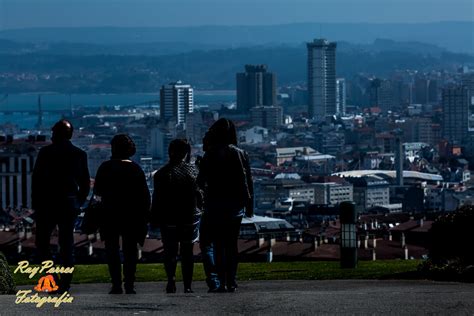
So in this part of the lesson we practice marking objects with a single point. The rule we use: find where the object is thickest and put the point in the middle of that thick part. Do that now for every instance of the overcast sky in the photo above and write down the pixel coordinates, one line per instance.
(44, 13)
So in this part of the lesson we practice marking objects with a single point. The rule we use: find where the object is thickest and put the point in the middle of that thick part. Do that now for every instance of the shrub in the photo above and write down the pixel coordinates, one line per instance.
(452, 237)
(7, 285)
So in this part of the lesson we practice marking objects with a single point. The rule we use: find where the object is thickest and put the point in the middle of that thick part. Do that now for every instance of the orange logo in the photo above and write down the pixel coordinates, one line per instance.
(46, 284)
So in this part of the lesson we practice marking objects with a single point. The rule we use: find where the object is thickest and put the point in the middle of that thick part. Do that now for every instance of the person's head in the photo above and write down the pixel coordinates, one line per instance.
(223, 132)
(207, 141)
(62, 131)
(179, 150)
(123, 147)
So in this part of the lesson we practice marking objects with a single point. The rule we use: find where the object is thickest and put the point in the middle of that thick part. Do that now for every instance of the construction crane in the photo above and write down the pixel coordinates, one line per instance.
(39, 124)
(4, 99)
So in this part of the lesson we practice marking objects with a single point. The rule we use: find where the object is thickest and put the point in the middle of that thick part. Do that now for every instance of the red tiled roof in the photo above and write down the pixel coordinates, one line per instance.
(249, 248)
(425, 228)
(406, 226)
(389, 250)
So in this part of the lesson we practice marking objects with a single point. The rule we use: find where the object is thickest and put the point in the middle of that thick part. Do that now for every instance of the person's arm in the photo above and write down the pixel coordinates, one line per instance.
(203, 172)
(98, 182)
(248, 174)
(198, 194)
(145, 196)
(84, 180)
(155, 204)
(37, 181)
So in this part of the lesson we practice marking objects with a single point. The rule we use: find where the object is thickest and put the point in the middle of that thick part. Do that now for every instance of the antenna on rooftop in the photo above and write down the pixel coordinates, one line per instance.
(4, 99)
(70, 105)
(39, 124)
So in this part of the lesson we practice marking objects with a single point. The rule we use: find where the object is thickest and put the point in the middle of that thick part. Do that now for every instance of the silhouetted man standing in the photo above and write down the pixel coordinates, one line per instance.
(60, 185)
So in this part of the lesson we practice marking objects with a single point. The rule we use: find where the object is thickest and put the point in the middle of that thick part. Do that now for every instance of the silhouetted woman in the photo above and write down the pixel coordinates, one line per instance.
(175, 209)
(225, 177)
(121, 186)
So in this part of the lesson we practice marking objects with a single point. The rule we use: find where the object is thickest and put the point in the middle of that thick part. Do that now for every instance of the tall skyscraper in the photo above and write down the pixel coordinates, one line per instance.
(455, 101)
(381, 94)
(255, 87)
(433, 91)
(195, 127)
(468, 82)
(341, 95)
(176, 100)
(420, 92)
(160, 139)
(39, 124)
(401, 93)
(425, 91)
(321, 79)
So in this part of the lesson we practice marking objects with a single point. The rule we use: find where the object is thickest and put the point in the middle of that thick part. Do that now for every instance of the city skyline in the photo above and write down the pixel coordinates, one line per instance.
(309, 140)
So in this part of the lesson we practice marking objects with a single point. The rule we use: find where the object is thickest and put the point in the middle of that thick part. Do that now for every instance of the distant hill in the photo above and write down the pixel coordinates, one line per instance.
(171, 48)
(213, 69)
(454, 36)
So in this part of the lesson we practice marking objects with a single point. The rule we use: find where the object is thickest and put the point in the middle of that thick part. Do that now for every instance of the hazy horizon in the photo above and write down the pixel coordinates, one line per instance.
(227, 25)
(19, 14)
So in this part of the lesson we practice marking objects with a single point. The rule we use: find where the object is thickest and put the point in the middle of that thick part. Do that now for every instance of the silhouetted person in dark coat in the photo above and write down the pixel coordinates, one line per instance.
(120, 185)
(225, 177)
(175, 209)
(60, 185)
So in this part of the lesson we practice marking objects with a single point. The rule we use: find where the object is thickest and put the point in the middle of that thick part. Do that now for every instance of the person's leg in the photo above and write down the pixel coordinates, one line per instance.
(187, 256)
(187, 263)
(44, 229)
(130, 257)
(170, 246)
(232, 252)
(219, 242)
(66, 248)
(112, 250)
(208, 254)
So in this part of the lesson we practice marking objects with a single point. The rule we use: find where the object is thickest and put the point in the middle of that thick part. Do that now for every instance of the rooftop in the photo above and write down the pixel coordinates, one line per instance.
(392, 174)
(292, 151)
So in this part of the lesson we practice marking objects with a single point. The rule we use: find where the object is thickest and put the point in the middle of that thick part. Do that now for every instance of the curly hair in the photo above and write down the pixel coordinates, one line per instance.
(123, 147)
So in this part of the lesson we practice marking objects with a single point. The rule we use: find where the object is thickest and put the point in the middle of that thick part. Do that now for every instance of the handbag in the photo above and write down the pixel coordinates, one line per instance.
(93, 215)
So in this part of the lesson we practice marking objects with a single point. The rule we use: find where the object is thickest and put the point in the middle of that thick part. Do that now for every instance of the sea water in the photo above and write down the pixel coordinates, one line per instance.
(13, 107)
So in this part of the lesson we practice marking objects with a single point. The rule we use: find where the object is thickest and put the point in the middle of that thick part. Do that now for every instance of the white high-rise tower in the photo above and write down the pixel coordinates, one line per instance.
(176, 100)
(321, 78)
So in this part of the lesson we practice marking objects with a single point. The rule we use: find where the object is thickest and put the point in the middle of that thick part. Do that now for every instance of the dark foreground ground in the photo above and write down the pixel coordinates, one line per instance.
(267, 297)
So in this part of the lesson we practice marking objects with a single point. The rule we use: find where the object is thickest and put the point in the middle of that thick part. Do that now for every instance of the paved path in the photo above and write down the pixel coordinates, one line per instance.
(267, 297)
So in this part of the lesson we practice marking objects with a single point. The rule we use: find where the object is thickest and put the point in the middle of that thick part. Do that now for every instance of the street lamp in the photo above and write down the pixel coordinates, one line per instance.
(348, 218)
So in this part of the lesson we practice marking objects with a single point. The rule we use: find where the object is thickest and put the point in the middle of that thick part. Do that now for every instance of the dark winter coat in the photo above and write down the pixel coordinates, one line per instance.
(122, 186)
(226, 179)
(60, 178)
(176, 197)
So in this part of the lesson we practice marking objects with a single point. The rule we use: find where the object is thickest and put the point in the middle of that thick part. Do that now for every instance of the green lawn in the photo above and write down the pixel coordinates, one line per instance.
(316, 270)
